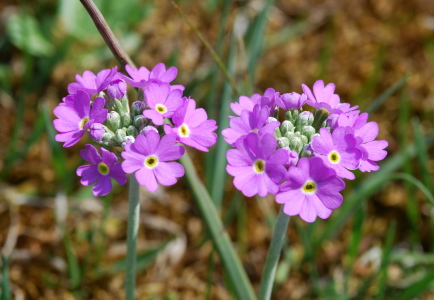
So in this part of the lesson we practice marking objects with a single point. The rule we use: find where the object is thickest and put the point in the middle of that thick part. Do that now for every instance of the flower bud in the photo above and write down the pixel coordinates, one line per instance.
(292, 115)
(147, 129)
(296, 144)
(282, 142)
(308, 131)
(271, 119)
(114, 120)
(306, 118)
(277, 133)
(118, 107)
(125, 104)
(120, 135)
(292, 101)
(108, 138)
(139, 122)
(286, 126)
(132, 131)
(96, 132)
(137, 108)
(304, 139)
(126, 119)
(128, 140)
(306, 151)
(117, 89)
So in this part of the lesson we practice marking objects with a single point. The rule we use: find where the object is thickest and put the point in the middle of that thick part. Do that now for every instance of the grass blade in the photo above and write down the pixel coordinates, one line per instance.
(417, 288)
(6, 291)
(385, 259)
(220, 237)
(386, 94)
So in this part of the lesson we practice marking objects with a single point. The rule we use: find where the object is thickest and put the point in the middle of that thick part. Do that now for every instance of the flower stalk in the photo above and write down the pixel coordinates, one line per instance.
(133, 227)
(270, 267)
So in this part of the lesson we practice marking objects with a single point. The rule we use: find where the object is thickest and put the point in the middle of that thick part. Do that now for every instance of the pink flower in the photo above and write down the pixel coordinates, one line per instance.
(192, 126)
(256, 164)
(311, 190)
(149, 156)
(102, 169)
(161, 101)
(76, 116)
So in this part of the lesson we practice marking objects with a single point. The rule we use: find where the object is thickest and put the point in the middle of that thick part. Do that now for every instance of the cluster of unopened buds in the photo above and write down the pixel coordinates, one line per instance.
(304, 158)
(149, 131)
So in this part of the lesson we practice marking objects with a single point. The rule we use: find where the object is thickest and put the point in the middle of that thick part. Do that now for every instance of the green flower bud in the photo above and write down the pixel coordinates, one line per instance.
(120, 135)
(108, 138)
(137, 108)
(304, 139)
(282, 142)
(277, 133)
(139, 122)
(125, 104)
(308, 131)
(292, 115)
(118, 106)
(114, 120)
(296, 144)
(304, 119)
(126, 119)
(290, 135)
(132, 131)
(286, 126)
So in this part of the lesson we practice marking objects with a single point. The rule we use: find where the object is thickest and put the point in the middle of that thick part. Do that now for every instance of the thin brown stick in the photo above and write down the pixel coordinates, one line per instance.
(107, 33)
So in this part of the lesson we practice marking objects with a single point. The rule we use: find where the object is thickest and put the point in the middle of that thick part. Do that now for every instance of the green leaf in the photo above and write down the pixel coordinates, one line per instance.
(417, 288)
(24, 32)
(5, 292)
(75, 20)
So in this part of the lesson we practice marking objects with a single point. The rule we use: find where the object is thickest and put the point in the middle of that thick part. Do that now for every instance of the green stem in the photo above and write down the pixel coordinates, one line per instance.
(273, 256)
(222, 242)
(133, 227)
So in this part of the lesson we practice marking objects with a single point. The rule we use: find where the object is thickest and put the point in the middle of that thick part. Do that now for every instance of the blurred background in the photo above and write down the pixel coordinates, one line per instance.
(60, 242)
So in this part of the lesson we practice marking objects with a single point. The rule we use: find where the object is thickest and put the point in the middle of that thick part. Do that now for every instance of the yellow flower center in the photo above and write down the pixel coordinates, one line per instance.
(103, 168)
(161, 108)
(151, 161)
(83, 122)
(309, 187)
(334, 157)
(184, 131)
(259, 166)
(255, 130)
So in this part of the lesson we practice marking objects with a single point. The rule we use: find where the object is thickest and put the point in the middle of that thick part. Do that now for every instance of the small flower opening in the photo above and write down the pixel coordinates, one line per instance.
(309, 187)
(151, 161)
(83, 122)
(184, 131)
(161, 108)
(103, 169)
(255, 130)
(259, 166)
(334, 157)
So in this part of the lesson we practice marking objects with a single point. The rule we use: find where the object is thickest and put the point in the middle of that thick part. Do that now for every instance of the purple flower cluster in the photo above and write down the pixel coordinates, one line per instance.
(99, 104)
(303, 159)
